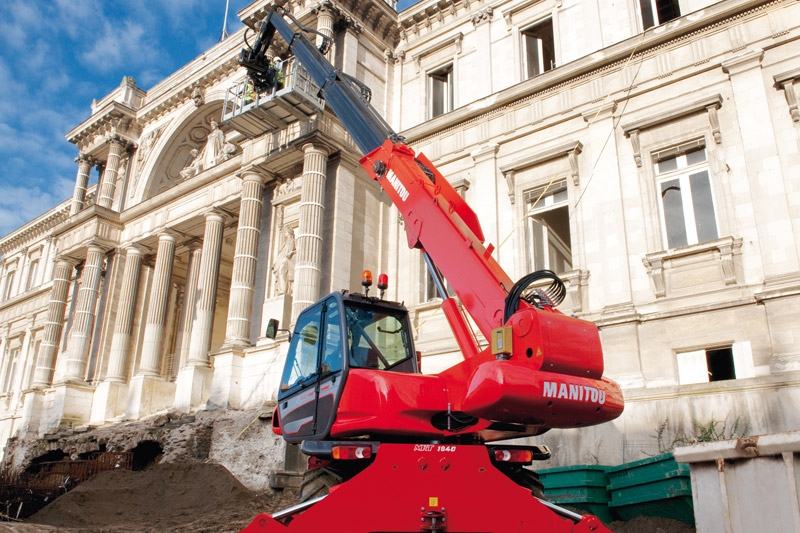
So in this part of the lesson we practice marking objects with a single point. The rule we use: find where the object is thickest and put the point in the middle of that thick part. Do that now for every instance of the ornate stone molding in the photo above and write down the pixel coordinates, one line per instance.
(577, 282)
(722, 250)
(456, 40)
(571, 150)
(709, 105)
(484, 15)
(786, 81)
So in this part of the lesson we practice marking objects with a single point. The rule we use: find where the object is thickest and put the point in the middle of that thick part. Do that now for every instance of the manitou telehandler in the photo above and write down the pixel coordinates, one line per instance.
(396, 450)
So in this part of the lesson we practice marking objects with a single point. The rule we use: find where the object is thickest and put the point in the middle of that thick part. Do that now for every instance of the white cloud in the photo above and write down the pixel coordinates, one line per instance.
(121, 44)
(21, 203)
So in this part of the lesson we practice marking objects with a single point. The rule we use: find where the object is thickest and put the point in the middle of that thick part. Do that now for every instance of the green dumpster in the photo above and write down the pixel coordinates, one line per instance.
(657, 486)
(581, 487)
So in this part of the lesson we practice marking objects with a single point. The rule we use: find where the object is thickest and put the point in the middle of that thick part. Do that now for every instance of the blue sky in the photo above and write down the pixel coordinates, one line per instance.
(57, 55)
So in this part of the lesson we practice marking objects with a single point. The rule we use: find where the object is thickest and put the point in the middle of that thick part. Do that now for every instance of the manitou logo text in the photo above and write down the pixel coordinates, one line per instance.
(397, 185)
(580, 393)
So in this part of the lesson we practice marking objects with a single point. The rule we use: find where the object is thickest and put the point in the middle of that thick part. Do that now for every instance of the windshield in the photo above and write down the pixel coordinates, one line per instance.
(377, 338)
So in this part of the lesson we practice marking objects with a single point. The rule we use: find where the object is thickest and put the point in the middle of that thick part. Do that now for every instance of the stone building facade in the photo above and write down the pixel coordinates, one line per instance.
(646, 150)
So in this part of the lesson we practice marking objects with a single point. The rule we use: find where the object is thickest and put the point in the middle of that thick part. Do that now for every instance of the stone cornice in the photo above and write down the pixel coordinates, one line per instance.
(113, 119)
(35, 229)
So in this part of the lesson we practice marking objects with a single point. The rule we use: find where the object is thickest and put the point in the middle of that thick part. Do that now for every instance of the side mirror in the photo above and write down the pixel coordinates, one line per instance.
(272, 329)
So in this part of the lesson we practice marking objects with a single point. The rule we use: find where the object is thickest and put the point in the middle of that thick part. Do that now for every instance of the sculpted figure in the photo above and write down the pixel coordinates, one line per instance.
(283, 269)
(214, 151)
(195, 167)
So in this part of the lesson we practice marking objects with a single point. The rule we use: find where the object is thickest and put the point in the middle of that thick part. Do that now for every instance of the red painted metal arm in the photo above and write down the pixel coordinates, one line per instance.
(439, 221)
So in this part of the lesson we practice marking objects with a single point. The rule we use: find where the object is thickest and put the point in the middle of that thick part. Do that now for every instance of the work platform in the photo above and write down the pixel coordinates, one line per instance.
(294, 97)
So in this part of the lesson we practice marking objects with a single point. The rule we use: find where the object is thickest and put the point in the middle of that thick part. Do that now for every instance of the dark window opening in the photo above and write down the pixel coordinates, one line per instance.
(440, 89)
(539, 48)
(720, 364)
(655, 12)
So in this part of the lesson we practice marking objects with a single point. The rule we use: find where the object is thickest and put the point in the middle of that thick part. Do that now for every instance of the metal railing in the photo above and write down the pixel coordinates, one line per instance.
(292, 80)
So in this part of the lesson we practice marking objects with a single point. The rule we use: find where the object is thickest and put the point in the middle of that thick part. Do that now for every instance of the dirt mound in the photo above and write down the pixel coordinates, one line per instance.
(173, 497)
(651, 524)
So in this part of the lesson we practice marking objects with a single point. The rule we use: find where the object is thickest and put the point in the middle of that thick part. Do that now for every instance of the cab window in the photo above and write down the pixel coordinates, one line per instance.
(377, 339)
(301, 361)
(332, 351)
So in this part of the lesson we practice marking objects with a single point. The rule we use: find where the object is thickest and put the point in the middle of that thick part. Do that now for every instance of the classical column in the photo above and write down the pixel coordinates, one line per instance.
(150, 364)
(187, 312)
(325, 23)
(55, 323)
(206, 291)
(309, 236)
(105, 190)
(118, 358)
(85, 164)
(80, 337)
(240, 308)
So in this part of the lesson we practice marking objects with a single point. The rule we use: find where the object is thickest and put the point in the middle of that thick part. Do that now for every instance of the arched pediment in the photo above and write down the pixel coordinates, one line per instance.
(177, 152)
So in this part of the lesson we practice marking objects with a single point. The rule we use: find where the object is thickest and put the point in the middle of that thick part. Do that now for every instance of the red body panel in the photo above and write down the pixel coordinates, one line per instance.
(409, 483)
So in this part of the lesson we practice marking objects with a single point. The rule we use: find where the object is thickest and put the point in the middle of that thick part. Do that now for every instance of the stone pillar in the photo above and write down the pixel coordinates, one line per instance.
(187, 312)
(245, 259)
(325, 23)
(80, 337)
(85, 164)
(206, 291)
(309, 237)
(46, 363)
(150, 364)
(118, 358)
(109, 399)
(105, 189)
(149, 392)
(194, 380)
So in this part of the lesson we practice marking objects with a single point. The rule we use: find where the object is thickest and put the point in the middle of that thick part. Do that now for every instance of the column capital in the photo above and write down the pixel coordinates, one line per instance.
(96, 249)
(86, 159)
(318, 147)
(253, 174)
(167, 236)
(66, 260)
(214, 216)
(134, 249)
(116, 139)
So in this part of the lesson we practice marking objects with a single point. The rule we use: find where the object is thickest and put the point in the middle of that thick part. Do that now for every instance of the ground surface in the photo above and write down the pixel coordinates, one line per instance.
(190, 497)
(166, 498)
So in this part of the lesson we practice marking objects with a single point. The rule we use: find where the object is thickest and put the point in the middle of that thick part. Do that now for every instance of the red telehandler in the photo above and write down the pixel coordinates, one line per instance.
(394, 450)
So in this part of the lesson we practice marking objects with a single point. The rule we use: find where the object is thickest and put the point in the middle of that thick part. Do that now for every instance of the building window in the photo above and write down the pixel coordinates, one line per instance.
(11, 370)
(655, 12)
(33, 269)
(720, 363)
(440, 91)
(687, 203)
(9, 285)
(549, 241)
(539, 48)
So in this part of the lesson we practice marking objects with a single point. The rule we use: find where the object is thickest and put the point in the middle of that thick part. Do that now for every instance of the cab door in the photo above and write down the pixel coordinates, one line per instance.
(312, 375)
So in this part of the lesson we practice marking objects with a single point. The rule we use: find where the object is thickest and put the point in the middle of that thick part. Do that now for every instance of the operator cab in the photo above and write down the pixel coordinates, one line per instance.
(339, 333)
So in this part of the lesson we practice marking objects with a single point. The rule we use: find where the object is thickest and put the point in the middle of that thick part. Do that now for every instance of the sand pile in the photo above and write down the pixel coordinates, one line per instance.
(172, 498)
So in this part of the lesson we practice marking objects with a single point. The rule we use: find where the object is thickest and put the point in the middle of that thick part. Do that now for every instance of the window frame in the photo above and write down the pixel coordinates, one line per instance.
(446, 71)
(548, 195)
(650, 18)
(693, 365)
(542, 58)
(33, 271)
(684, 172)
(9, 288)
